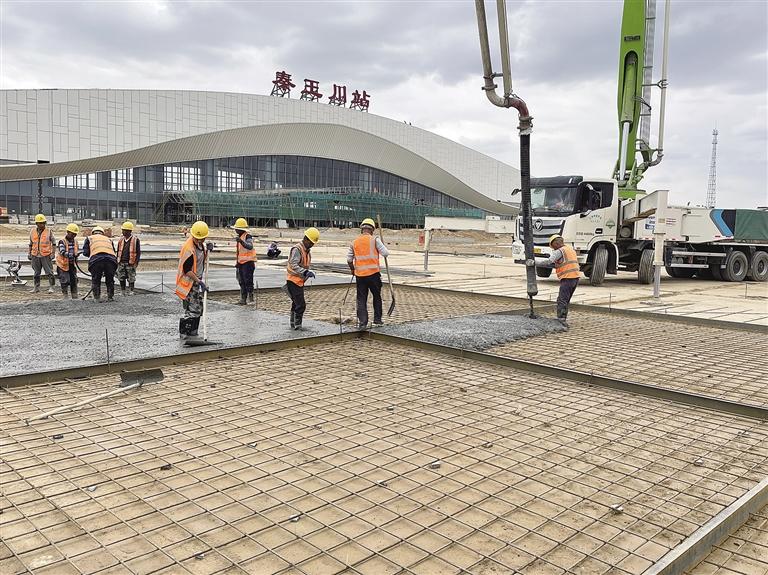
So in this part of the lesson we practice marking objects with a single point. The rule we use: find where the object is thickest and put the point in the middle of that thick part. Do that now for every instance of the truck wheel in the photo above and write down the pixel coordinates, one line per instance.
(736, 267)
(543, 272)
(680, 273)
(599, 266)
(645, 270)
(758, 267)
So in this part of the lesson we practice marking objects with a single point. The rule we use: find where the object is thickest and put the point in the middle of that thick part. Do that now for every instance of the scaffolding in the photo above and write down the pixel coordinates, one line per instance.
(327, 207)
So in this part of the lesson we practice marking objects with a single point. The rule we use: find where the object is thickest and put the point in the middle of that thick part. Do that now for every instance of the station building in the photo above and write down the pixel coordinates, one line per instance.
(157, 156)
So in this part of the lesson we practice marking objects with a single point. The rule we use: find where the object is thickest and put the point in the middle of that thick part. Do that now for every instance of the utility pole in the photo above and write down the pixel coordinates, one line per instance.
(712, 185)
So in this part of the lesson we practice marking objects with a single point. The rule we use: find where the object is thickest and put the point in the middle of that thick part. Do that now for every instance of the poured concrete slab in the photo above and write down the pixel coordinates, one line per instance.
(477, 332)
(56, 334)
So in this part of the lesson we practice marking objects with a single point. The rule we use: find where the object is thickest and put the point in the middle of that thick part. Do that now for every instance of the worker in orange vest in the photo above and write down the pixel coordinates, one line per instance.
(363, 261)
(102, 262)
(245, 254)
(566, 265)
(297, 272)
(190, 284)
(40, 252)
(128, 257)
(66, 256)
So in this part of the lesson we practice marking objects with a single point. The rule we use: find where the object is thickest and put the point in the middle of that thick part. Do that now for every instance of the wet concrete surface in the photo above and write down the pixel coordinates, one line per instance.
(225, 279)
(475, 332)
(57, 334)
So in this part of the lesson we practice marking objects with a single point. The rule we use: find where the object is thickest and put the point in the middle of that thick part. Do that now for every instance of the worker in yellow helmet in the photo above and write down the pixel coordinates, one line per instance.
(297, 272)
(566, 264)
(190, 286)
(245, 255)
(40, 252)
(128, 257)
(363, 260)
(102, 261)
(66, 256)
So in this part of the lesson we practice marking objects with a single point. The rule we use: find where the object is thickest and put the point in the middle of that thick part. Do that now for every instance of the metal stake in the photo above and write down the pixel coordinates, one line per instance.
(106, 335)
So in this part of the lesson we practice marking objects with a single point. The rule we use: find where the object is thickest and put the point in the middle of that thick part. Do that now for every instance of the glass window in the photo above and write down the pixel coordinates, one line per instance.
(121, 180)
(181, 178)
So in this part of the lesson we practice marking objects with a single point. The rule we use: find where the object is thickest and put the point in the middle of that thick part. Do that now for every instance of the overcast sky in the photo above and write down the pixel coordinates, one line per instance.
(420, 62)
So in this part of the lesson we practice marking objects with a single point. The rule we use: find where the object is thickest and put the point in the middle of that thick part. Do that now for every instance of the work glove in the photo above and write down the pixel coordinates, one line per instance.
(209, 246)
(310, 274)
(202, 287)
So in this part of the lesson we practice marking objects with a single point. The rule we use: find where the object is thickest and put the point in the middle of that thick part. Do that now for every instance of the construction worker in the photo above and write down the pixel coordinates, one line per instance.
(66, 258)
(566, 265)
(297, 272)
(363, 261)
(128, 256)
(190, 286)
(40, 253)
(102, 261)
(246, 260)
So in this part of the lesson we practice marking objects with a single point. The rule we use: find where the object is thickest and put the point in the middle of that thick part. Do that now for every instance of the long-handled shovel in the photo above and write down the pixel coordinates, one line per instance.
(389, 277)
(128, 380)
(204, 317)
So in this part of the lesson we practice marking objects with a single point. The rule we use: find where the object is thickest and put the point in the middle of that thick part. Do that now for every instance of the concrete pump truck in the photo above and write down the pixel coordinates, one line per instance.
(614, 226)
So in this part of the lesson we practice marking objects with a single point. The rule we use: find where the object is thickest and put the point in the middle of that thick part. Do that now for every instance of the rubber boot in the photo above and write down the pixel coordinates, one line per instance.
(130, 289)
(35, 289)
(293, 320)
(97, 293)
(250, 296)
(242, 297)
(195, 324)
(53, 283)
(122, 288)
(65, 292)
(74, 294)
(110, 292)
(297, 322)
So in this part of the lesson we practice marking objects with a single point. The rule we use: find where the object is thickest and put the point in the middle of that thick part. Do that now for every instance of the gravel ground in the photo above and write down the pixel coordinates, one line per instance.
(477, 332)
(56, 334)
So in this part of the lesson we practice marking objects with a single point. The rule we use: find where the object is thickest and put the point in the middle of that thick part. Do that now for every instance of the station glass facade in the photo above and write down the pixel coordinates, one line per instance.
(141, 193)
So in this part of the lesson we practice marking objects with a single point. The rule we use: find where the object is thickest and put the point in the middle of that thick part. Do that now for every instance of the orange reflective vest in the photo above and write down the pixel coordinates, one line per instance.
(62, 261)
(131, 249)
(293, 275)
(366, 256)
(244, 255)
(567, 267)
(42, 243)
(184, 283)
(100, 244)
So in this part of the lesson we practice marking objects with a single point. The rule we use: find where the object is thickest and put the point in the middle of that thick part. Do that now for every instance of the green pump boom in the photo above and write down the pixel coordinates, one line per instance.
(634, 106)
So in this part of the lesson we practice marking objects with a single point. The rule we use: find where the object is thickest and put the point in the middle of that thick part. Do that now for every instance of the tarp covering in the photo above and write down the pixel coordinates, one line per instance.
(751, 225)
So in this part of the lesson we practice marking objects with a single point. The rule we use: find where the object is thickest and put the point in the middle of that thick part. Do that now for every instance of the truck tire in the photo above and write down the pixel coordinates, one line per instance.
(599, 266)
(736, 266)
(758, 267)
(680, 273)
(543, 272)
(645, 270)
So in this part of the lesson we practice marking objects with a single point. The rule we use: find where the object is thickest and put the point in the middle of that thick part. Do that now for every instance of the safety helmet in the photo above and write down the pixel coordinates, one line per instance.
(97, 229)
(127, 226)
(368, 222)
(40, 219)
(554, 237)
(241, 224)
(313, 234)
(199, 230)
(73, 228)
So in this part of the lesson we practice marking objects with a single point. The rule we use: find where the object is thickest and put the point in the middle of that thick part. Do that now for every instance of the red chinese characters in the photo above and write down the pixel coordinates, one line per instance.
(282, 84)
(311, 90)
(360, 102)
(339, 97)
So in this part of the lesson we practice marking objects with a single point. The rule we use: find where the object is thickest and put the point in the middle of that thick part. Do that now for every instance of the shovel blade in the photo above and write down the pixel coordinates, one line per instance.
(141, 377)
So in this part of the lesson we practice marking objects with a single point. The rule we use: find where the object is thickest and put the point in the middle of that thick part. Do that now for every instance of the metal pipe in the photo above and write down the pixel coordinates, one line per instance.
(506, 70)
(58, 410)
(485, 53)
(663, 85)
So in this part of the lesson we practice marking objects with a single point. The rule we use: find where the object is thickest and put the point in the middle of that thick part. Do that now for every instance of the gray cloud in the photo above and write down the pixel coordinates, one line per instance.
(420, 61)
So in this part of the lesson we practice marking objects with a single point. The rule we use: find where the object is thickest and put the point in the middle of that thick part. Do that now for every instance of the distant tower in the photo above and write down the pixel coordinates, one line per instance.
(712, 186)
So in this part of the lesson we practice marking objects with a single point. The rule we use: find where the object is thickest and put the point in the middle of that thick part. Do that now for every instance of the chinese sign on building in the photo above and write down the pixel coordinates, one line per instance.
(282, 84)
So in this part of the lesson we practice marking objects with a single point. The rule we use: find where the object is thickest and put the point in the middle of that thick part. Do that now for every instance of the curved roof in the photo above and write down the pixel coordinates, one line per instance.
(330, 141)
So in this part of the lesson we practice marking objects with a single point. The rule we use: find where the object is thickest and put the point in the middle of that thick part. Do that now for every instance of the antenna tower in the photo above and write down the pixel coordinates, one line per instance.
(712, 185)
